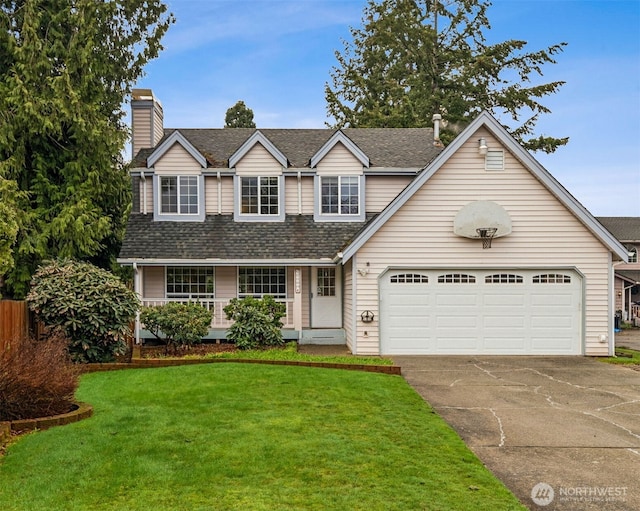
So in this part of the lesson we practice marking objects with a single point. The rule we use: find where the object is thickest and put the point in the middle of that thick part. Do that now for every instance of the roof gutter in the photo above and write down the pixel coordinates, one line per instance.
(140, 261)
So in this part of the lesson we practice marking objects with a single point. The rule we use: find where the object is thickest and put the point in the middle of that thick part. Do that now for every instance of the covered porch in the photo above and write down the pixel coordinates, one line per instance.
(312, 295)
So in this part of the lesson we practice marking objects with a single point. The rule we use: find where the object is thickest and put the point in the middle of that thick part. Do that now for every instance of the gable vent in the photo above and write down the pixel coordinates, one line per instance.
(494, 160)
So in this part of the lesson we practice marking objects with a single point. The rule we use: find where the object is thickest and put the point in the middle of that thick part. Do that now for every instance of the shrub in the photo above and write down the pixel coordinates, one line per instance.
(37, 378)
(92, 306)
(177, 324)
(256, 322)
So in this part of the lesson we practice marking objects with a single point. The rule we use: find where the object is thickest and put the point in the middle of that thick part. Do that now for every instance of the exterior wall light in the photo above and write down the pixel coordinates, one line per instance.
(482, 147)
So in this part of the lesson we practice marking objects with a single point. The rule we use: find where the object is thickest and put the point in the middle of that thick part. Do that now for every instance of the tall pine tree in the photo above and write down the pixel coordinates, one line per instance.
(66, 67)
(414, 58)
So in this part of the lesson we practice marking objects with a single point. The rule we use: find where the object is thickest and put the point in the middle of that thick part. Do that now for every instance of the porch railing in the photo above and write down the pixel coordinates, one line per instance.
(216, 306)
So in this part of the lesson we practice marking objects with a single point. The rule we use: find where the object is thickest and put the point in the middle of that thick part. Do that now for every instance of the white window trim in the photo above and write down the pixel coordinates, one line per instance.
(158, 215)
(258, 217)
(319, 216)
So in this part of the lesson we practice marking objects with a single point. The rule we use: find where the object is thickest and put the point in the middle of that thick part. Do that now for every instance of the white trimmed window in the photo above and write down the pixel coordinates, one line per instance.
(340, 195)
(179, 195)
(260, 196)
(258, 282)
(192, 282)
(633, 255)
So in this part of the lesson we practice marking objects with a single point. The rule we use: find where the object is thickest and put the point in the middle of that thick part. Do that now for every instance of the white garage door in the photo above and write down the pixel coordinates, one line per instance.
(490, 312)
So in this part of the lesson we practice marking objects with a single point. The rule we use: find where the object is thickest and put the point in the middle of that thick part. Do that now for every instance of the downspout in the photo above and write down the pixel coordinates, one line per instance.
(299, 193)
(143, 178)
(219, 193)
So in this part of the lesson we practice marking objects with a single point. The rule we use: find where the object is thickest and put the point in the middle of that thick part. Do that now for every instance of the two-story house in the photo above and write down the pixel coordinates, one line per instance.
(377, 238)
(627, 274)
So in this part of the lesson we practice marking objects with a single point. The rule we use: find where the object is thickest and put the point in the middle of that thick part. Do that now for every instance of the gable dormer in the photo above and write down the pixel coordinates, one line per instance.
(259, 180)
(339, 183)
(178, 181)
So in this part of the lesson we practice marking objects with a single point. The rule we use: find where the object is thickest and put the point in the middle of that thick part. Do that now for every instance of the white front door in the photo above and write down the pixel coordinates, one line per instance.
(326, 297)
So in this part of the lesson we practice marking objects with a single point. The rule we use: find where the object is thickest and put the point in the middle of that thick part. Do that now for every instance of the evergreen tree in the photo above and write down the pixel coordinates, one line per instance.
(239, 116)
(414, 58)
(66, 67)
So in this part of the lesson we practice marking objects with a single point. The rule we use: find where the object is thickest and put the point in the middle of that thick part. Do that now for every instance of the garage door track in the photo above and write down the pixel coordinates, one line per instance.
(562, 433)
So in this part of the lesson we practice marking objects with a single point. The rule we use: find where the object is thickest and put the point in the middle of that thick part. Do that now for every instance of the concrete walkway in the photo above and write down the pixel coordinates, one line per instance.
(565, 428)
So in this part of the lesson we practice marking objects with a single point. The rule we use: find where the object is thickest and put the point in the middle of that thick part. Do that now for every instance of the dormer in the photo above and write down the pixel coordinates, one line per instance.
(259, 180)
(339, 183)
(178, 181)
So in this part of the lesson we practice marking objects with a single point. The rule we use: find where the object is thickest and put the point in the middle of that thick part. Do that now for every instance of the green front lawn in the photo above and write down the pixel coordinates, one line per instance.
(624, 356)
(248, 437)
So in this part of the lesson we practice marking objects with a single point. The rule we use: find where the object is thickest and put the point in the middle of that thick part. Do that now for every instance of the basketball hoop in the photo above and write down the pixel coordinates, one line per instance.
(486, 234)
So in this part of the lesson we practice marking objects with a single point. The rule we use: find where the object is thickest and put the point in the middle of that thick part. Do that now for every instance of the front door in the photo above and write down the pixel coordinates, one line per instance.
(326, 297)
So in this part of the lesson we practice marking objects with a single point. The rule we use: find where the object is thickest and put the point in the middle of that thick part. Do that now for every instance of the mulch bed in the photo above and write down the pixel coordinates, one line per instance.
(198, 349)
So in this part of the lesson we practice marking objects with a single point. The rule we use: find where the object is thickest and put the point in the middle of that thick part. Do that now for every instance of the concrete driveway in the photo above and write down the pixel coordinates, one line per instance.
(565, 428)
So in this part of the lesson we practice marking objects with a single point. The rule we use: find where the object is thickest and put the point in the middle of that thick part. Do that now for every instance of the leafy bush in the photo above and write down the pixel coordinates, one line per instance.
(177, 324)
(92, 306)
(256, 322)
(37, 378)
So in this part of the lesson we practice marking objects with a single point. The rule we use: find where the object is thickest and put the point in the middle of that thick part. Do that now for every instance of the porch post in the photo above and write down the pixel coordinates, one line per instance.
(297, 301)
(137, 289)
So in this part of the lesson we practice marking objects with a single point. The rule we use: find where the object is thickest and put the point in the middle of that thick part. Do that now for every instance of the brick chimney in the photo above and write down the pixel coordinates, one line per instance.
(146, 120)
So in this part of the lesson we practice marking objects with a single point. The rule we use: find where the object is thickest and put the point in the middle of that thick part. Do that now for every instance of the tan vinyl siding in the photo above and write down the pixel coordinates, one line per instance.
(339, 161)
(158, 127)
(177, 160)
(141, 123)
(381, 190)
(148, 183)
(258, 162)
(153, 282)
(211, 194)
(347, 303)
(545, 234)
(226, 282)
(291, 195)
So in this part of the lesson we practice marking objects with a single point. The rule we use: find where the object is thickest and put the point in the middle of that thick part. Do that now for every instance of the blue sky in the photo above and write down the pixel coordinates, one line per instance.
(276, 56)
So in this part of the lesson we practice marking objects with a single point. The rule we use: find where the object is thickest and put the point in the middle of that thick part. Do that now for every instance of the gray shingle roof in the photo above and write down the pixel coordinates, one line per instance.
(624, 228)
(385, 147)
(219, 237)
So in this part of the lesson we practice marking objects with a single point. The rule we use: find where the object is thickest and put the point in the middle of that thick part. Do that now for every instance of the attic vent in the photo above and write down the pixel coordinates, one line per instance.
(494, 160)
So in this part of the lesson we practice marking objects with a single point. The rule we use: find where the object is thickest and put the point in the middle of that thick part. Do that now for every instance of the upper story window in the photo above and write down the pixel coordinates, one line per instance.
(633, 255)
(339, 198)
(179, 195)
(260, 195)
(340, 195)
(178, 198)
(259, 199)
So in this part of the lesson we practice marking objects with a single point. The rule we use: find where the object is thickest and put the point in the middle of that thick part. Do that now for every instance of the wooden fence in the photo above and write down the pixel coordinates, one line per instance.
(14, 321)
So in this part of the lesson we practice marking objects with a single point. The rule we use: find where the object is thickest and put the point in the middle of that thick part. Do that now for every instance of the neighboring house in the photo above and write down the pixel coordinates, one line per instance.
(371, 237)
(627, 275)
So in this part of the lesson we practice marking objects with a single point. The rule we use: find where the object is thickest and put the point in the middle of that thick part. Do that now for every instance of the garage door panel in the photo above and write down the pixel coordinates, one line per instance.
(561, 300)
(501, 312)
(549, 344)
(503, 321)
(509, 299)
(456, 300)
(499, 344)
